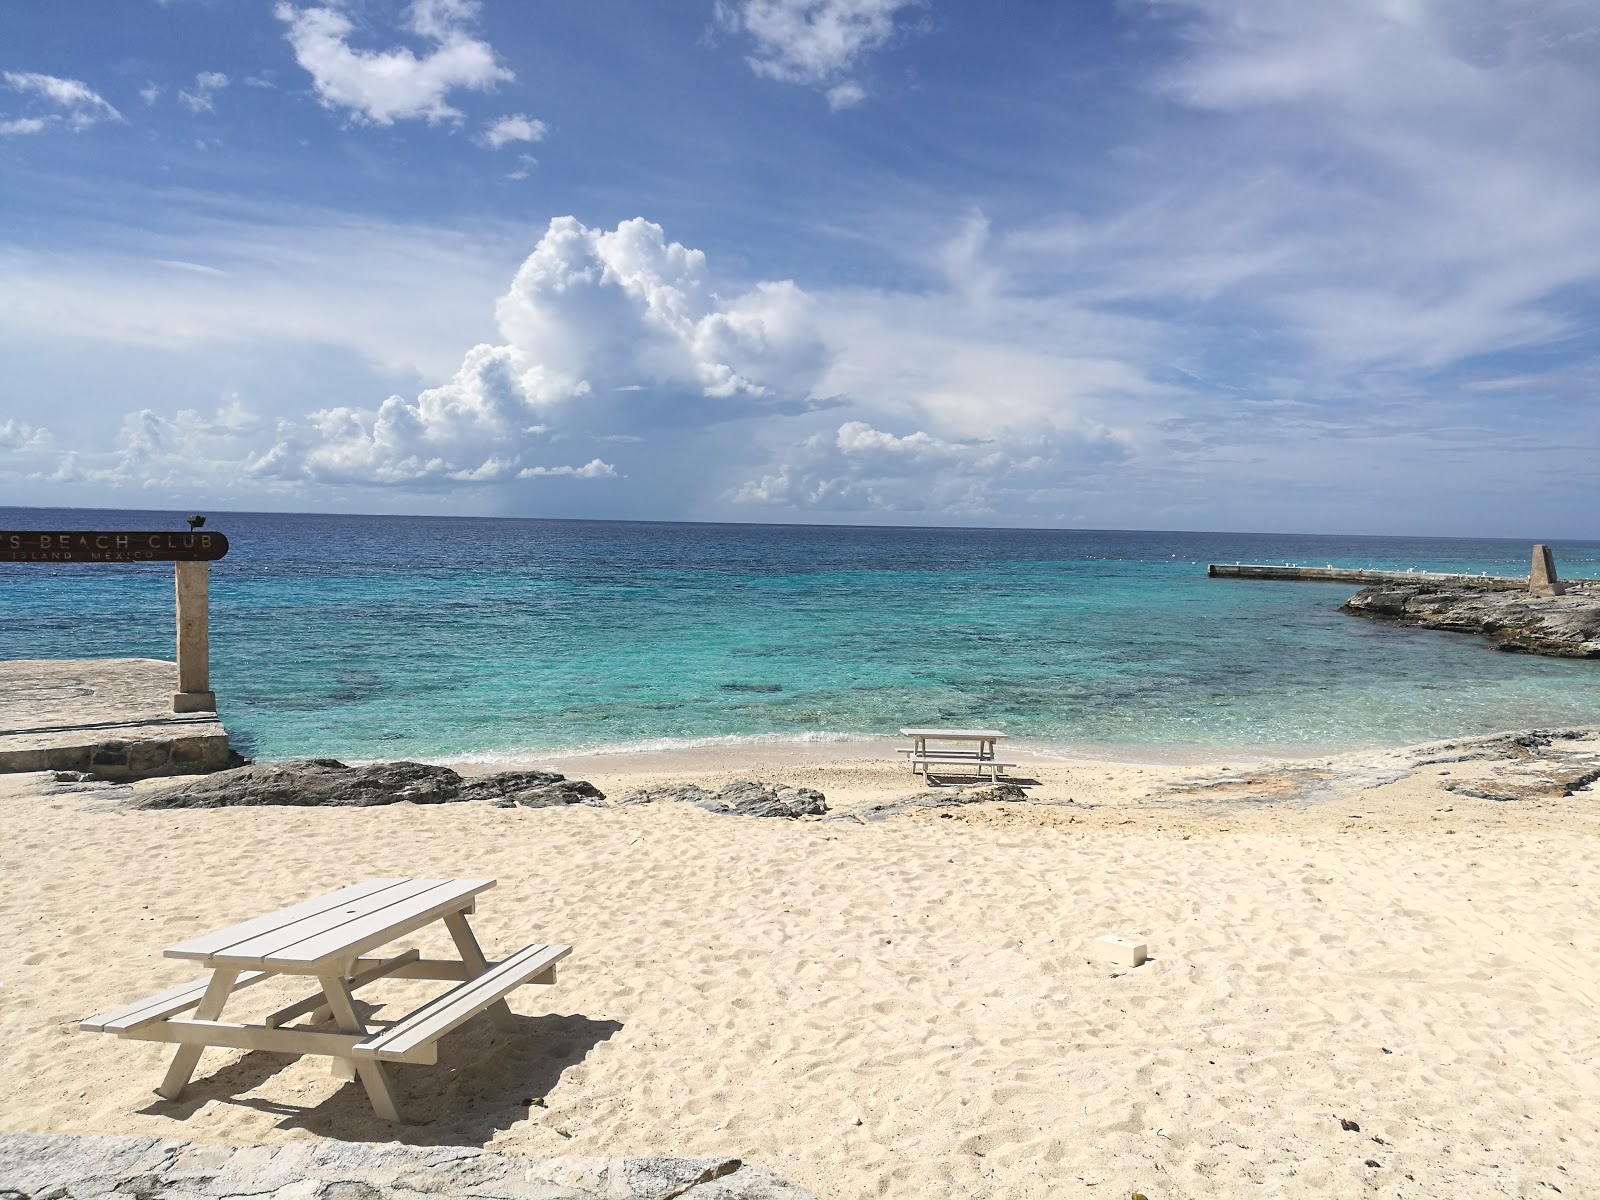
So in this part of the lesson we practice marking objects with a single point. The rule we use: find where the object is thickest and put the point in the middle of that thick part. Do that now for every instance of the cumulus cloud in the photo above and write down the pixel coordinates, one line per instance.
(513, 128)
(383, 86)
(606, 332)
(187, 450)
(19, 437)
(817, 43)
(203, 96)
(59, 104)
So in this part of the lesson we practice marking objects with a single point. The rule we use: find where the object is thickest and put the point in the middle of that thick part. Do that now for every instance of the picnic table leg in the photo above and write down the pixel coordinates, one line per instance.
(472, 954)
(188, 1056)
(373, 1077)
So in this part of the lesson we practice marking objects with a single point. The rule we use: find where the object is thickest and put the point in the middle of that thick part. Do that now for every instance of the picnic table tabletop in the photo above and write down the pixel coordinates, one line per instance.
(963, 735)
(304, 939)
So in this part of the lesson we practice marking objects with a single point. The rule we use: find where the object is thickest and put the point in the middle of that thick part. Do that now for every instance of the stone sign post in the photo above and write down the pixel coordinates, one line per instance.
(191, 553)
(1542, 579)
(193, 585)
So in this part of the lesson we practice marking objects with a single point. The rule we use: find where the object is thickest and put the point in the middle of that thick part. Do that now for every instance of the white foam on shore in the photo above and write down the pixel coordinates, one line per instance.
(757, 741)
(728, 750)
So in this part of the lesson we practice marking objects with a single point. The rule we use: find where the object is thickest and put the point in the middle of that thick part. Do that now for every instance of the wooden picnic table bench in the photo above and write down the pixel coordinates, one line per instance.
(328, 938)
(981, 758)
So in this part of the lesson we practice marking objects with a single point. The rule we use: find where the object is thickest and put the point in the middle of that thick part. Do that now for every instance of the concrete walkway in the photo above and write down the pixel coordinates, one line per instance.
(111, 716)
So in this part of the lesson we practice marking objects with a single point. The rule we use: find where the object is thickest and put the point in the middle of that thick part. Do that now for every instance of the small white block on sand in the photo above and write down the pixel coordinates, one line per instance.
(1125, 952)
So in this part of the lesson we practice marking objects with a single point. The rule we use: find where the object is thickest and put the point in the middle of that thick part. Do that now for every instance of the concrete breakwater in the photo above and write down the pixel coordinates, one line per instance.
(1367, 577)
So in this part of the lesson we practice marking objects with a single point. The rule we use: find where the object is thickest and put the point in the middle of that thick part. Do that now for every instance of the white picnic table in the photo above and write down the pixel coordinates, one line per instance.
(327, 939)
(981, 757)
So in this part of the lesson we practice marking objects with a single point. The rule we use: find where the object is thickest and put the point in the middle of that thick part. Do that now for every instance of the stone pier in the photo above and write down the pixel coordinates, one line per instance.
(110, 716)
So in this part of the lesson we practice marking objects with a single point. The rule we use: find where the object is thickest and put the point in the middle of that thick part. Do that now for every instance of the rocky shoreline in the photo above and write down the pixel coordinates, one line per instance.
(1565, 626)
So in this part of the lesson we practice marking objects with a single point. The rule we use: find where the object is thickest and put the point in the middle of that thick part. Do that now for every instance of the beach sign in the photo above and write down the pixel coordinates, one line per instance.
(191, 554)
(118, 546)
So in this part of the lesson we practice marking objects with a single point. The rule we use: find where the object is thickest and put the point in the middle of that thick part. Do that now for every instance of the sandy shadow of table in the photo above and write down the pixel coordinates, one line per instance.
(485, 1081)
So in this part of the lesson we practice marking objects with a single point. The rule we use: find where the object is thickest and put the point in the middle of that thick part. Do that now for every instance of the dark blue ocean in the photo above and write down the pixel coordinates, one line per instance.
(368, 637)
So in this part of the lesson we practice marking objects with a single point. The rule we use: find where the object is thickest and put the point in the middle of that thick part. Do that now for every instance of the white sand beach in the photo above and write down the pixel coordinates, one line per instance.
(900, 1008)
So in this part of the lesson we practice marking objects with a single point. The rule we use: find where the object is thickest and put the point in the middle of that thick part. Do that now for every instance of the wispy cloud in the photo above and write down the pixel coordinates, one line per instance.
(63, 104)
(202, 97)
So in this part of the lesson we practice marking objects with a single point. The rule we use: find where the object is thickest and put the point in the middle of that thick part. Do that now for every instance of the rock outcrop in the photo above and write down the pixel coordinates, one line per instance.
(328, 783)
(1561, 626)
(1537, 765)
(37, 1166)
(1002, 792)
(531, 789)
(741, 798)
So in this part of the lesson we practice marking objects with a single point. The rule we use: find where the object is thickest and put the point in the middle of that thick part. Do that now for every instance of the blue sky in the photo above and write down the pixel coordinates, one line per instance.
(1185, 264)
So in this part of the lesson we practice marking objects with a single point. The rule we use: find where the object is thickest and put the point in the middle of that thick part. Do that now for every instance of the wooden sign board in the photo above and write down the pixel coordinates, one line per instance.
(84, 546)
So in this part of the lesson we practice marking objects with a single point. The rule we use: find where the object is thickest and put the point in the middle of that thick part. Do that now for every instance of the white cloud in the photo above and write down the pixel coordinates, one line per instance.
(19, 437)
(71, 103)
(859, 438)
(383, 86)
(206, 86)
(845, 95)
(593, 469)
(514, 128)
(814, 42)
(616, 307)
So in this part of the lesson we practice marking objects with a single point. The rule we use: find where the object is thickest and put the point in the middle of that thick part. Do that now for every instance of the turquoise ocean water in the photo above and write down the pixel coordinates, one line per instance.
(369, 637)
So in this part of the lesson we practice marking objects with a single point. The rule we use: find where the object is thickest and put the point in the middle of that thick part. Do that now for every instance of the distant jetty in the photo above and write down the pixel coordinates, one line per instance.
(1529, 614)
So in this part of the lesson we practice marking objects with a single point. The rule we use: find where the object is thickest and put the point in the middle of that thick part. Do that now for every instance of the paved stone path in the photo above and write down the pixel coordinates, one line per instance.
(37, 1166)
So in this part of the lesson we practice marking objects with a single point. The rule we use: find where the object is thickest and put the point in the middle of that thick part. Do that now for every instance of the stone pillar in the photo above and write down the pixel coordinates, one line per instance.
(194, 694)
(1542, 579)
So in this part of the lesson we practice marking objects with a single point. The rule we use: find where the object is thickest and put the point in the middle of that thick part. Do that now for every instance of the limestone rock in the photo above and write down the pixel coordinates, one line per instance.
(1564, 626)
(742, 798)
(747, 798)
(686, 793)
(938, 798)
(1536, 770)
(70, 1167)
(326, 782)
(312, 782)
(531, 789)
